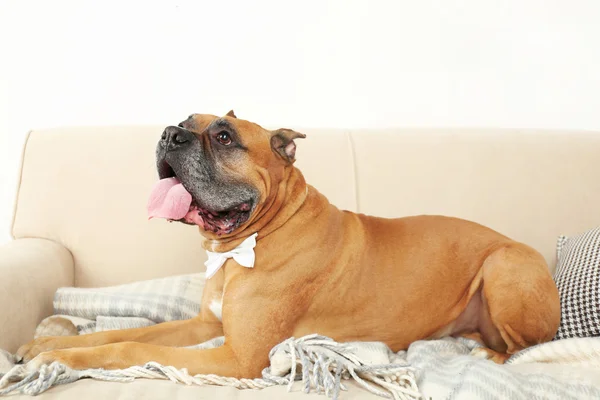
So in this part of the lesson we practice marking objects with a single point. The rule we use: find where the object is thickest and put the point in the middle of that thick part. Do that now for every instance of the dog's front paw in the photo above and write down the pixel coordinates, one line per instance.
(29, 351)
(107, 357)
(72, 358)
(45, 358)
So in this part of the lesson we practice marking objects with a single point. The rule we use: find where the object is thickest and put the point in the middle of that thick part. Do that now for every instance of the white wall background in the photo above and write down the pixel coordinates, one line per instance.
(341, 63)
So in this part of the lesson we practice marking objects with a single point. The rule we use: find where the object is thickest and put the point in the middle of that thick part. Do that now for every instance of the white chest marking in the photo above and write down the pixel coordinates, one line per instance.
(216, 307)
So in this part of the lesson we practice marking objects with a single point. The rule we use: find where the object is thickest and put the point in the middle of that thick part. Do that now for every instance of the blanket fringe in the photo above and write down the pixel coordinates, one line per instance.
(318, 361)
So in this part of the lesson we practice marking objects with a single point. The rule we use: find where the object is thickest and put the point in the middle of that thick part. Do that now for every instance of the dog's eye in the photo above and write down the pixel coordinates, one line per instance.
(224, 138)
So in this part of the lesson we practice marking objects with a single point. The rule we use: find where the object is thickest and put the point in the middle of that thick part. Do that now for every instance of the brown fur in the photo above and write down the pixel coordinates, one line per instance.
(340, 274)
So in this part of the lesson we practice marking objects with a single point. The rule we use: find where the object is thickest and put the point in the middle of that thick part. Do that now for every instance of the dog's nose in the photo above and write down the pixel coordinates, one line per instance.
(174, 137)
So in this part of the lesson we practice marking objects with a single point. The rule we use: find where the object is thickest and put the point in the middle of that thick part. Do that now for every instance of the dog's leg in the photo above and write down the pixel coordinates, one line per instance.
(252, 329)
(521, 303)
(175, 333)
(244, 354)
(188, 332)
(219, 360)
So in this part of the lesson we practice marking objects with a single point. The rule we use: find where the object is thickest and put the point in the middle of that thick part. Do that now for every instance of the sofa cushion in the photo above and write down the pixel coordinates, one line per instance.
(578, 280)
(154, 389)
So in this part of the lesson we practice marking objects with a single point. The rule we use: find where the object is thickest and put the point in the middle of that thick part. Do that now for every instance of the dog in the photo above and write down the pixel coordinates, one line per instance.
(312, 268)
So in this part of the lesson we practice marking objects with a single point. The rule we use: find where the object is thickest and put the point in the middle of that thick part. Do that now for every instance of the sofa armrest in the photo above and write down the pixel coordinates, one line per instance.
(30, 272)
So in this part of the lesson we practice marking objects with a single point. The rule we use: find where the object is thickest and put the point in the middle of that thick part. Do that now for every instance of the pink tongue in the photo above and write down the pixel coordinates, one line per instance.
(169, 200)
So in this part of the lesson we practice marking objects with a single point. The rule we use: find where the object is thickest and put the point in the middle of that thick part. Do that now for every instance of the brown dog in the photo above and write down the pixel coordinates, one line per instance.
(317, 269)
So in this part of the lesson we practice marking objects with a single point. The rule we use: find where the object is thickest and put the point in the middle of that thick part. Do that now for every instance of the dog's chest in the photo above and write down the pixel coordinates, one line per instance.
(216, 307)
(215, 291)
(219, 286)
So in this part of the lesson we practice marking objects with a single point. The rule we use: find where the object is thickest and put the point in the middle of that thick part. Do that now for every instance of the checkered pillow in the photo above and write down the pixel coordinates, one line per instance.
(578, 279)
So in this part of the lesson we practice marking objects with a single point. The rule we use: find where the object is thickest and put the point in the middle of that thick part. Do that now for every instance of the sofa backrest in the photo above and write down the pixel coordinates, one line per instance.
(87, 188)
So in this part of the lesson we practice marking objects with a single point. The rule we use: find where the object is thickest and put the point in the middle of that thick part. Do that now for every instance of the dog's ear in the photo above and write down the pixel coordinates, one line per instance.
(230, 114)
(282, 143)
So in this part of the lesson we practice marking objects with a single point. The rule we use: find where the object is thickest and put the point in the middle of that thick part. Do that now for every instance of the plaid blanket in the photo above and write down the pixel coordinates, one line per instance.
(133, 305)
(563, 369)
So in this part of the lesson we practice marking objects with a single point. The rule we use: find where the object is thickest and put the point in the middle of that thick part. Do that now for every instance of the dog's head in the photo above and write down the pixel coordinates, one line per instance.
(218, 172)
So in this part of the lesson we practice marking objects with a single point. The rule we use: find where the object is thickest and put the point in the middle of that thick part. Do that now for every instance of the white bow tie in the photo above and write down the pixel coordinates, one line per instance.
(243, 255)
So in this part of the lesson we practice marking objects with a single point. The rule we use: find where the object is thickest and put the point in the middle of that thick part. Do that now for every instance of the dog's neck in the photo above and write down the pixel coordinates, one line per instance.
(278, 209)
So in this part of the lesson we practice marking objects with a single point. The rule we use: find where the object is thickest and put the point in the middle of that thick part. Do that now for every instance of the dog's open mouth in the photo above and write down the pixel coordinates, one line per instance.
(170, 200)
(220, 222)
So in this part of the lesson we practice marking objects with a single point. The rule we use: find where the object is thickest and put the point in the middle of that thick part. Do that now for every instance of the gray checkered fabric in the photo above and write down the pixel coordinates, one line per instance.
(131, 305)
(578, 279)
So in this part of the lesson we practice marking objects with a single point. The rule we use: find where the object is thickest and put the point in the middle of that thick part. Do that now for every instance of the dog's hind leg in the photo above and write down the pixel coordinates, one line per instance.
(521, 305)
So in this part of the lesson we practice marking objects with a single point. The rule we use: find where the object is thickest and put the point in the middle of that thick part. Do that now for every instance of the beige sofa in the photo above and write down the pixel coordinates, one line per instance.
(80, 212)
